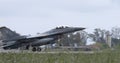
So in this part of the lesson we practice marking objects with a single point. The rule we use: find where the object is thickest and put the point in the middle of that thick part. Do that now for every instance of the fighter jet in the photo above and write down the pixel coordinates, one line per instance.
(45, 38)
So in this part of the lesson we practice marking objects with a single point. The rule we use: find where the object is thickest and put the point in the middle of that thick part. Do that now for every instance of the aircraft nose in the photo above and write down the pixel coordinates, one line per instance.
(78, 28)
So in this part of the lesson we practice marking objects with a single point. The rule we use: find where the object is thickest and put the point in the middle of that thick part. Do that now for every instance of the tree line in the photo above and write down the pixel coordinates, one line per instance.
(110, 38)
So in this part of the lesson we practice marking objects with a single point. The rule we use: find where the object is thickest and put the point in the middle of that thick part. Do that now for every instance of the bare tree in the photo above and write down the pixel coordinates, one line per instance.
(115, 32)
(99, 35)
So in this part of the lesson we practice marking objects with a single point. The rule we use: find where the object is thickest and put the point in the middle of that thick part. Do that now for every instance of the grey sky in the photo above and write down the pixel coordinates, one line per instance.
(32, 16)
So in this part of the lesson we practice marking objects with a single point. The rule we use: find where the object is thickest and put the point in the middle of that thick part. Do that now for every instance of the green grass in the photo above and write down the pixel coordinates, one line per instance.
(98, 57)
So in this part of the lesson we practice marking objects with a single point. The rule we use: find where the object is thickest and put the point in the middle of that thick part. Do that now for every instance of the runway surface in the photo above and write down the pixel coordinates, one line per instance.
(44, 52)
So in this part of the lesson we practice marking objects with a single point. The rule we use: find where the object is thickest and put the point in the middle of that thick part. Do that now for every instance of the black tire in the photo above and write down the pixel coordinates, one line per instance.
(39, 49)
(34, 49)
(27, 47)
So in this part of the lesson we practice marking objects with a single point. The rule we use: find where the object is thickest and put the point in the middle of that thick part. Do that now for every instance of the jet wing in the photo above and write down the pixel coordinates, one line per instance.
(31, 38)
(44, 35)
(24, 41)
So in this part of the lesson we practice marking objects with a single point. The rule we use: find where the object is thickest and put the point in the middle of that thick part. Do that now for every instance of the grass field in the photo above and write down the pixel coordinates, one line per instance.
(98, 57)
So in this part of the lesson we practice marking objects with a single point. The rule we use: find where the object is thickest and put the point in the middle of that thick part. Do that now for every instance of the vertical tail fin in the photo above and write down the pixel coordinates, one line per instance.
(6, 33)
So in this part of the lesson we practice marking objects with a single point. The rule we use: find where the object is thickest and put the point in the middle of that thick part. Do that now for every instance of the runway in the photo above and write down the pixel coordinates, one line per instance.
(44, 52)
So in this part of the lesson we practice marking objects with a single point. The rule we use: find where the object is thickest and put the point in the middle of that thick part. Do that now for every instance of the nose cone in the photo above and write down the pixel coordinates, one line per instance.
(73, 29)
(78, 28)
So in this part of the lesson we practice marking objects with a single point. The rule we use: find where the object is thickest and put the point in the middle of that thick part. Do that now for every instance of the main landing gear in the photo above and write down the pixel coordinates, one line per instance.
(36, 49)
(33, 48)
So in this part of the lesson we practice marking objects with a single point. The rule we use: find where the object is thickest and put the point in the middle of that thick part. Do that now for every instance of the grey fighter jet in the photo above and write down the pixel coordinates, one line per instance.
(48, 37)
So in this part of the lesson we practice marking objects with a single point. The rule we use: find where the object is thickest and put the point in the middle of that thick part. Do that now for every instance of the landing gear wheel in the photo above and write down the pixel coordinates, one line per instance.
(39, 49)
(34, 49)
(27, 47)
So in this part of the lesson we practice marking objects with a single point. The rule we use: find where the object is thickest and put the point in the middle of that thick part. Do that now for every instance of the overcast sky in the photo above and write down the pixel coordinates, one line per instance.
(32, 16)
